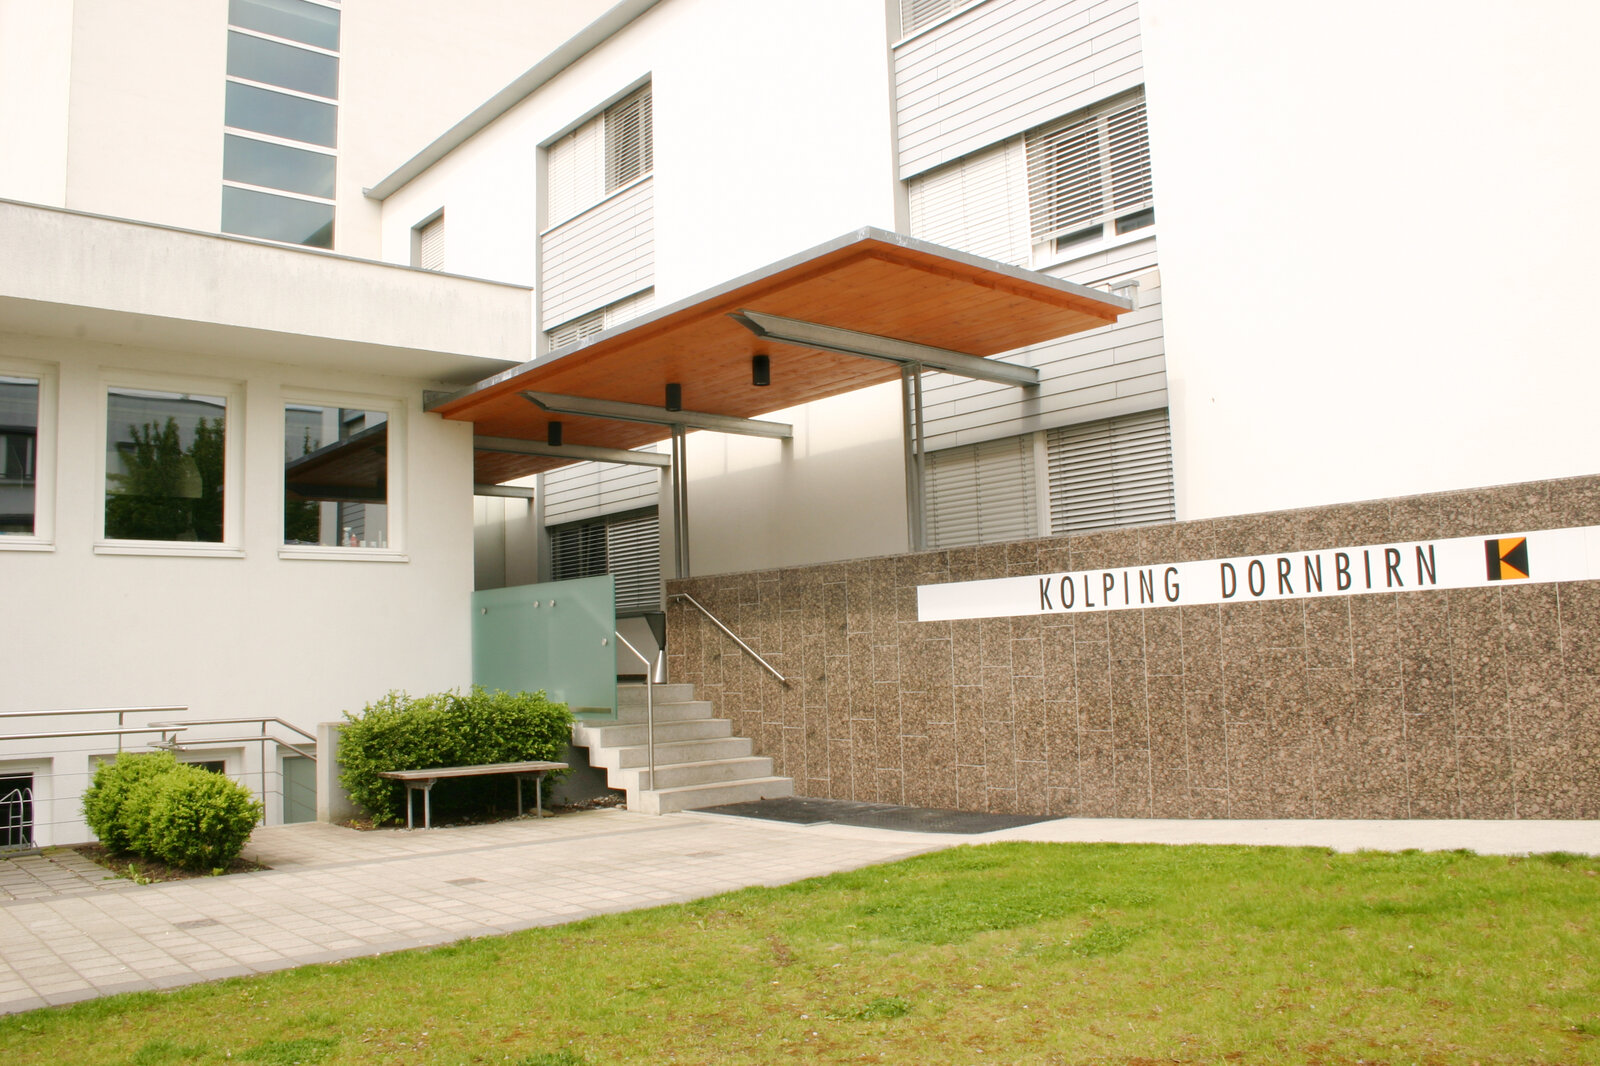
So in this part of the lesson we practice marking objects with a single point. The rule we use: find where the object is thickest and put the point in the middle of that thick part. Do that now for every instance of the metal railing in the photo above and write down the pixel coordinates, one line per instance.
(43, 763)
(649, 703)
(748, 650)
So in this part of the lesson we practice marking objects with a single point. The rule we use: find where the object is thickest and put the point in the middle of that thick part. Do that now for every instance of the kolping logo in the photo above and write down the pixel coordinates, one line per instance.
(1507, 558)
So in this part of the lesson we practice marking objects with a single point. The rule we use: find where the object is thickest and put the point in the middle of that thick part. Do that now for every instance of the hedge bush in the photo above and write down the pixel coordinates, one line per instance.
(150, 804)
(107, 795)
(401, 732)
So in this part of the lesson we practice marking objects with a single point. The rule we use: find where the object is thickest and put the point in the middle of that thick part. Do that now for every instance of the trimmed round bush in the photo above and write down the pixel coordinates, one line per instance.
(401, 732)
(192, 818)
(106, 799)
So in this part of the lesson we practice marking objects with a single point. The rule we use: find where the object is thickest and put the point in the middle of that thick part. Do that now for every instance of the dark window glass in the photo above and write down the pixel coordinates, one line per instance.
(16, 811)
(282, 64)
(335, 477)
(292, 117)
(276, 218)
(293, 19)
(1137, 220)
(277, 166)
(19, 453)
(165, 454)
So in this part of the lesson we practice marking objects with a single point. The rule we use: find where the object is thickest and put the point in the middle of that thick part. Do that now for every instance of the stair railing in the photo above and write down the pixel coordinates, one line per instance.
(748, 650)
(649, 703)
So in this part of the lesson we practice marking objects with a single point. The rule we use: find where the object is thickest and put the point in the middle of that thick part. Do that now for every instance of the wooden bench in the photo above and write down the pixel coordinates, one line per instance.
(426, 779)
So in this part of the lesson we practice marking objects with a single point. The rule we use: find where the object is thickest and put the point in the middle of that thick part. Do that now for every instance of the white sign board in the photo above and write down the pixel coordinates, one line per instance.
(1412, 566)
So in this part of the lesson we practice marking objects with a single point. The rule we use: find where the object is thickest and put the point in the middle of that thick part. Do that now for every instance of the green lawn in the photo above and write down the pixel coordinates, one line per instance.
(1031, 953)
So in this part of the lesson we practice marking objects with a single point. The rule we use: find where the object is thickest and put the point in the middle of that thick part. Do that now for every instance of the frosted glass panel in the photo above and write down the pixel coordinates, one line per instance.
(549, 636)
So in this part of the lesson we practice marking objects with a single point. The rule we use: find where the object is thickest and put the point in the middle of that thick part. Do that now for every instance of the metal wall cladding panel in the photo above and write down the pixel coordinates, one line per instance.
(1004, 67)
(588, 490)
(600, 257)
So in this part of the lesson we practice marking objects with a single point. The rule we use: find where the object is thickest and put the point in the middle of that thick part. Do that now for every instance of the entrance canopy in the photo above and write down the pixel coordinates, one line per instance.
(839, 317)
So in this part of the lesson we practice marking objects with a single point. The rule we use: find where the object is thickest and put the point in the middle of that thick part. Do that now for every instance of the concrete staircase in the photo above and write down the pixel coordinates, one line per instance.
(699, 762)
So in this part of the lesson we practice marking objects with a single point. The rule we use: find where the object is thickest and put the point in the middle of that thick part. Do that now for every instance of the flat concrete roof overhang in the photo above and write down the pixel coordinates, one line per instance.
(88, 277)
(896, 288)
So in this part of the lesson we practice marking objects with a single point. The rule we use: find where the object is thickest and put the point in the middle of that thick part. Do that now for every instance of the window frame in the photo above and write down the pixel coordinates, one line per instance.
(1047, 252)
(44, 455)
(231, 546)
(395, 411)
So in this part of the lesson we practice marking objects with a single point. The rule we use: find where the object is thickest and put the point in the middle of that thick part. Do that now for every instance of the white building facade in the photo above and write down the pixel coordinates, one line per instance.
(1354, 249)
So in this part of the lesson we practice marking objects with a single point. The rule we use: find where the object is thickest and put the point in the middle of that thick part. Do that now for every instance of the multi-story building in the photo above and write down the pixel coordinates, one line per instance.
(1290, 333)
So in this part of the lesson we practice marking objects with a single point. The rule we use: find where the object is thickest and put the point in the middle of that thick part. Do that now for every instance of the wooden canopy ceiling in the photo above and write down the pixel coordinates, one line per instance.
(869, 281)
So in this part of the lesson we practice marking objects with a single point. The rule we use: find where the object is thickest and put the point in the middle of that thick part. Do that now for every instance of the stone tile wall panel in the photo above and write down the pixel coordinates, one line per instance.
(1480, 703)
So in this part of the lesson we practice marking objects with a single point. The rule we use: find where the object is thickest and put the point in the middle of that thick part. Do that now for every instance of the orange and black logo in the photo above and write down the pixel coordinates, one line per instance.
(1507, 558)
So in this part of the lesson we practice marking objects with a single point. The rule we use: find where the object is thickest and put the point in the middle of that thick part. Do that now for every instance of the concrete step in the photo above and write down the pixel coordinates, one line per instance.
(632, 695)
(625, 736)
(706, 772)
(635, 756)
(666, 800)
(666, 712)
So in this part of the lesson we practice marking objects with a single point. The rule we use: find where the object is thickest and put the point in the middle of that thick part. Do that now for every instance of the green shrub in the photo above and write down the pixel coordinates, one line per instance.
(401, 732)
(192, 818)
(106, 799)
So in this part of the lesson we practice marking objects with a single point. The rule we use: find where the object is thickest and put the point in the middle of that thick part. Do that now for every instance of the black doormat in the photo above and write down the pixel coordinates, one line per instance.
(802, 811)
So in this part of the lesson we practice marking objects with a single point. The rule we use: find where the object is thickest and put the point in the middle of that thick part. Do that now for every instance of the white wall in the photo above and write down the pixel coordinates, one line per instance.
(1377, 235)
(836, 490)
(760, 151)
(257, 635)
(35, 70)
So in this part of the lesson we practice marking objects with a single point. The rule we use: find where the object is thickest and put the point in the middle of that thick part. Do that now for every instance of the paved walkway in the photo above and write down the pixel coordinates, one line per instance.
(335, 893)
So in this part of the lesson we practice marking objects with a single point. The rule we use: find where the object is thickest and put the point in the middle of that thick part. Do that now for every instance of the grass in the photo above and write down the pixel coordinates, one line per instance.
(1008, 953)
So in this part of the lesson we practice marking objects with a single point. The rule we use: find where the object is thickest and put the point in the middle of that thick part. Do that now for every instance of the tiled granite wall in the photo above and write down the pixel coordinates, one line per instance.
(1479, 703)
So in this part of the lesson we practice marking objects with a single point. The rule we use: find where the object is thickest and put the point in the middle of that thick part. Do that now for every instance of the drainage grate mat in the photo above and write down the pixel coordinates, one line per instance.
(802, 811)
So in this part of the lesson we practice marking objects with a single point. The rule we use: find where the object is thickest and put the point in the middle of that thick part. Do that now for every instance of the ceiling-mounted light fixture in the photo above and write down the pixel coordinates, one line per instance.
(760, 370)
(552, 434)
(674, 397)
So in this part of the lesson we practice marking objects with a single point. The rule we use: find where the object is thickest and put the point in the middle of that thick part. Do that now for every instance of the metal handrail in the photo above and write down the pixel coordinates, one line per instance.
(748, 650)
(242, 721)
(178, 744)
(649, 704)
(91, 710)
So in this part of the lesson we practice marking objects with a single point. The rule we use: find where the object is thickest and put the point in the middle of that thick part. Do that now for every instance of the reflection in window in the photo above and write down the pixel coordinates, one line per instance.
(276, 218)
(277, 166)
(164, 465)
(19, 453)
(272, 63)
(335, 477)
(293, 118)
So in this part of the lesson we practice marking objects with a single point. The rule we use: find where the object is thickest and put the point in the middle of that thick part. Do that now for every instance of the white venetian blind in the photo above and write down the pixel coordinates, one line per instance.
(630, 147)
(628, 547)
(976, 204)
(576, 170)
(1089, 169)
(915, 14)
(430, 245)
(979, 493)
(1116, 472)
(581, 328)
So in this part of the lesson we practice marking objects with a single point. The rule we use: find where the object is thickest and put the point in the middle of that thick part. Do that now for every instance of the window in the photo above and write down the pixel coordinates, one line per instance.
(978, 493)
(166, 471)
(1061, 190)
(16, 811)
(920, 14)
(281, 115)
(1097, 475)
(336, 473)
(427, 244)
(611, 150)
(19, 454)
(1089, 177)
(599, 320)
(627, 546)
(1115, 472)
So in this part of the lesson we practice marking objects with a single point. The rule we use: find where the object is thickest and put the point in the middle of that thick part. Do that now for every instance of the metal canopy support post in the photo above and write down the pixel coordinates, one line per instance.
(680, 501)
(916, 455)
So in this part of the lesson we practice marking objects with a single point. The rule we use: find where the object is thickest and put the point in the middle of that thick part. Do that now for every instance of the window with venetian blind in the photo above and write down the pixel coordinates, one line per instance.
(980, 493)
(1114, 472)
(626, 546)
(611, 150)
